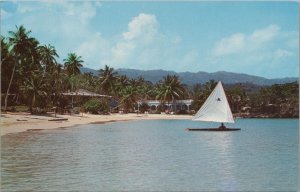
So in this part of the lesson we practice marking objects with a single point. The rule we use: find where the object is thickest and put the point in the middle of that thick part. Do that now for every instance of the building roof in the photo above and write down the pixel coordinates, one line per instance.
(83, 92)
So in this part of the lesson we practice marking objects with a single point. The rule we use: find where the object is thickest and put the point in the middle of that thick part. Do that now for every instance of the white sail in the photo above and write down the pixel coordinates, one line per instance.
(215, 108)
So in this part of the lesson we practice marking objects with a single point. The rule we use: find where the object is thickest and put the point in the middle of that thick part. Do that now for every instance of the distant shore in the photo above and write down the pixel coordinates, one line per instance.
(266, 115)
(20, 122)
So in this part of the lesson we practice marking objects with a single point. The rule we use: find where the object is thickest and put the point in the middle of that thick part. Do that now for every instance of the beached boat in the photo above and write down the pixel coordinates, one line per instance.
(215, 109)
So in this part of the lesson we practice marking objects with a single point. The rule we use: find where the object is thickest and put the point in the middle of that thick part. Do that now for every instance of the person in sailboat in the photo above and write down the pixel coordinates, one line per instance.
(222, 126)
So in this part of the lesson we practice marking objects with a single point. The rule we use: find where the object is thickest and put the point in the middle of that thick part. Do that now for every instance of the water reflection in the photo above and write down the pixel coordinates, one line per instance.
(223, 144)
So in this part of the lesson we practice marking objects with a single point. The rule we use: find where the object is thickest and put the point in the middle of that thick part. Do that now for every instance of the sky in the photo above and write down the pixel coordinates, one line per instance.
(256, 38)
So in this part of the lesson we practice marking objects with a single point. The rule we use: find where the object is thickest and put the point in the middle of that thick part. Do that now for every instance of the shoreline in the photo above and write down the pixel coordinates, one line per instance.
(20, 122)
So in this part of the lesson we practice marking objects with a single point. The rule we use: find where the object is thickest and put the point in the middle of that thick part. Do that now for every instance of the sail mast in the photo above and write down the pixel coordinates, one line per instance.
(216, 107)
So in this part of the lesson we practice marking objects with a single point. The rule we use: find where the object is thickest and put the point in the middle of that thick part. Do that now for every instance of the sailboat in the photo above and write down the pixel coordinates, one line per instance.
(215, 109)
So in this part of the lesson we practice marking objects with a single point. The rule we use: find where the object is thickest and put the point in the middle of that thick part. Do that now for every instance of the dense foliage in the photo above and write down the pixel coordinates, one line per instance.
(32, 76)
(95, 106)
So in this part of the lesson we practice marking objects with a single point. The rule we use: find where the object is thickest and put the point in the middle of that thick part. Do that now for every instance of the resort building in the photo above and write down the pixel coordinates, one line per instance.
(174, 106)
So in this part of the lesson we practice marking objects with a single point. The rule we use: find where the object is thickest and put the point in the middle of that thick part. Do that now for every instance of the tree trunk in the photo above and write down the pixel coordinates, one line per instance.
(8, 89)
(32, 104)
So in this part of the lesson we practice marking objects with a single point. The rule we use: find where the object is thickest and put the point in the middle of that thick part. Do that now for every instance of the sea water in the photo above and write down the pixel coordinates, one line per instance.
(154, 155)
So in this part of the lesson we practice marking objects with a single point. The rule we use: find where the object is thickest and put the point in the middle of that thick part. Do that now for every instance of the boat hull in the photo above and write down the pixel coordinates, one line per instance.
(213, 129)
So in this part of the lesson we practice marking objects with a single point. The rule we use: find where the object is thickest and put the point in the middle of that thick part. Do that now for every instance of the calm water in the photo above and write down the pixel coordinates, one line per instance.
(153, 155)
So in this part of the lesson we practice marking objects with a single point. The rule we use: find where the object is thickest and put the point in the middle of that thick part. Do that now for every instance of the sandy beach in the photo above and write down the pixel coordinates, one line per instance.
(19, 122)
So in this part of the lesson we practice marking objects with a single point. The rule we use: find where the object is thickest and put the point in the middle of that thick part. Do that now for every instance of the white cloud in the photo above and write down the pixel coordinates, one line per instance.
(142, 32)
(4, 14)
(176, 39)
(68, 28)
(143, 46)
(240, 42)
(140, 46)
(93, 50)
(229, 45)
(291, 39)
(143, 27)
(280, 53)
(83, 10)
(265, 34)
(64, 24)
(266, 48)
(26, 7)
(121, 54)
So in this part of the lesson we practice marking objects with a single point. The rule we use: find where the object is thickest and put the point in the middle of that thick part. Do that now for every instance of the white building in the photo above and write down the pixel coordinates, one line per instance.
(176, 105)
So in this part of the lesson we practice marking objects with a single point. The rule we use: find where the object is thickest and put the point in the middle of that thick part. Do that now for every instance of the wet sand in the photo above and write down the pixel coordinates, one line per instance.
(19, 122)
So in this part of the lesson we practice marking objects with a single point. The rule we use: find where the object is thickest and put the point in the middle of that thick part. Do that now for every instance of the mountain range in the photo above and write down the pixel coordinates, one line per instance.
(191, 78)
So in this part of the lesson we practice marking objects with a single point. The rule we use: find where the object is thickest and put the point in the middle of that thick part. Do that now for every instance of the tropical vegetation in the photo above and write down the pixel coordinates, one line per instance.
(32, 76)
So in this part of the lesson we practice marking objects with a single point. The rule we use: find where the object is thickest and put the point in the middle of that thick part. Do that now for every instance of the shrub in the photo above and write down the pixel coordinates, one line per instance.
(39, 111)
(144, 107)
(155, 112)
(182, 112)
(76, 110)
(95, 106)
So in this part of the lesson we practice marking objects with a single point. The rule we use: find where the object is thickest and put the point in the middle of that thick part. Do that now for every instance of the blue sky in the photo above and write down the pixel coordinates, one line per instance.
(257, 38)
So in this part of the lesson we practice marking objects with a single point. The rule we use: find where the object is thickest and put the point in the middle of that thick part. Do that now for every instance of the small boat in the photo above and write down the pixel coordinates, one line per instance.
(58, 119)
(212, 129)
(215, 109)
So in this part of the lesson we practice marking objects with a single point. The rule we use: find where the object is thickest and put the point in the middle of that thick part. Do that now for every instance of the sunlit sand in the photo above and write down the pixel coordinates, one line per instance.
(14, 123)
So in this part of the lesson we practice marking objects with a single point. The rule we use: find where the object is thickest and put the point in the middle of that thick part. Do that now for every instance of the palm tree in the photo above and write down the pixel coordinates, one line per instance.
(48, 57)
(6, 64)
(196, 93)
(236, 97)
(209, 86)
(206, 90)
(20, 47)
(73, 64)
(89, 81)
(121, 82)
(170, 89)
(56, 83)
(35, 88)
(145, 89)
(129, 97)
(108, 79)
(265, 94)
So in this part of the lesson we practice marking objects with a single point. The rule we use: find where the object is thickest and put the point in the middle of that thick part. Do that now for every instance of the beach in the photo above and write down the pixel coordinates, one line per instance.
(19, 122)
